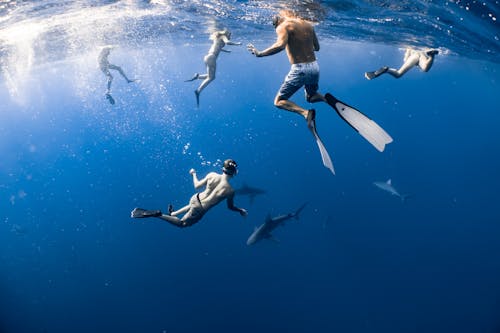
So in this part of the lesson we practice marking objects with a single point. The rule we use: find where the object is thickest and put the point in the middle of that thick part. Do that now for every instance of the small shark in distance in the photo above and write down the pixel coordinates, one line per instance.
(387, 186)
(251, 192)
(271, 223)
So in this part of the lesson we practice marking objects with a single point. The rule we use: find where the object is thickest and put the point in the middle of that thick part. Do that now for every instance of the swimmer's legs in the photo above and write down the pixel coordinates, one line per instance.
(179, 211)
(120, 70)
(377, 73)
(110, 80)
(143, 213)
(410, 62)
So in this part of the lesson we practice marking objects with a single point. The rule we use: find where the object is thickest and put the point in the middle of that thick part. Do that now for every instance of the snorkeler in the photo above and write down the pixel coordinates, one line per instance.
(220, 39)
(217, 189)
(298, 37)
(105, 66)
(412, 58)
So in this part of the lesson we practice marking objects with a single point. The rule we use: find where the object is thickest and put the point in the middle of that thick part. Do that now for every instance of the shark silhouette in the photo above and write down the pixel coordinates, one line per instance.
(249, 191)
(387, 186)
(271, 223)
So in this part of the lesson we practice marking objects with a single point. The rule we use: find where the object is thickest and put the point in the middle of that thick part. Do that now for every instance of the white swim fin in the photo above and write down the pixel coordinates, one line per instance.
(366, 127)
(311, 124)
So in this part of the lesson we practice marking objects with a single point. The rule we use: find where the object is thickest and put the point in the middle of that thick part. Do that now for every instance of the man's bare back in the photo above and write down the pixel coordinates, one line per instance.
(301, 40)
(217, 189)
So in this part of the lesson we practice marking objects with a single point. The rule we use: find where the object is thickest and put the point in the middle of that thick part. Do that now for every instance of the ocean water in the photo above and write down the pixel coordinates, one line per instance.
(73, 166)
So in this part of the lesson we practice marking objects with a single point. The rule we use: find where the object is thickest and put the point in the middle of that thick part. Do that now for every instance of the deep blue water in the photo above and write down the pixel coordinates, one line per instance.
(73, 166)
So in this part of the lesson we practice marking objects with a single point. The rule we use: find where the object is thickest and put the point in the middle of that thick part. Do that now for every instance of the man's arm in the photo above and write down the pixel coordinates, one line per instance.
(231, 206)
(278, 46)
(198, 183)
(228, 42)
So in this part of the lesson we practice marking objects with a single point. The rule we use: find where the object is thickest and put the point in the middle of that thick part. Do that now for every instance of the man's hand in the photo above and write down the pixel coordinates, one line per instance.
(243, 212)
(192, 171)
(253, 50)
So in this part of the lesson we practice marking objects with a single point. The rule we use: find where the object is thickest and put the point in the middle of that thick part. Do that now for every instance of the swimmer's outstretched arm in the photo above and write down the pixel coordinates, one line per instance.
(231, 206)
(196, 182)
(228, 42)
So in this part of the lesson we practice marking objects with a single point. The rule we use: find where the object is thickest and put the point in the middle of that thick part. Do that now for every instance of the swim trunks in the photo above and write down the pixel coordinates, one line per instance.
(302, 74)
(195, 212)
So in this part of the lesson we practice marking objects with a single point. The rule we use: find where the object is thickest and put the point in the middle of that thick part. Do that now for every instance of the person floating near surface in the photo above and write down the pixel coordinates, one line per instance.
(220, 39)
(105, 66)
(298, 37)
(217, 189)
(421, 58)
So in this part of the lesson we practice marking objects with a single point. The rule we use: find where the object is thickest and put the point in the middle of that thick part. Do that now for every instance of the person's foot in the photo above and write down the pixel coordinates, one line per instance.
(195, 76)
(197, 98)
(378, 72)
(110, 98)
(170, 209)
(130, 81)
(311, 120)
(432, 52)
(142, 213)
(369, 75)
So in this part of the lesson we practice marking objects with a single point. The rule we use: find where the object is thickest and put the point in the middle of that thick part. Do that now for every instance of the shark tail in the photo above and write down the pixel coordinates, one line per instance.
(297, 212)
(405, 197)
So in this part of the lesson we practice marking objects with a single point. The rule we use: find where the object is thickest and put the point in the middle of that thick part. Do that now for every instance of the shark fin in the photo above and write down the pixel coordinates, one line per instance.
(272, 238)
(297, 212)
(404, 197)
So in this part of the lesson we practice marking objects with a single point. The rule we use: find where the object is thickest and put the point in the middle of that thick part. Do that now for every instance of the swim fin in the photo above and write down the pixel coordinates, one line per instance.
(141, 213)
(311, 124)
(377, 73)
(195, 76)
(366, 127)
(197, 98)
(110, 99)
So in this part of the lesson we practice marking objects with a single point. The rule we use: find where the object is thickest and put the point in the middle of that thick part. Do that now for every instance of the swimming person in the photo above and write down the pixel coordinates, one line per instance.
(421, 58)
(220, 39)
(217, 189)
(105, 66)
(298, 38)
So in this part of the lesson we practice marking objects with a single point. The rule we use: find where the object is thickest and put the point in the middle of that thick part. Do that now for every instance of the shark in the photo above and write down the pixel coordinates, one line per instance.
(271, 223)
(249, 191)
(387, 186)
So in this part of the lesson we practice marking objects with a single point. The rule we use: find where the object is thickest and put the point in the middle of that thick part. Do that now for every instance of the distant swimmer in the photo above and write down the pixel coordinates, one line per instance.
(421, 58)
(220, 39)
(105, 66)
(217, 189)
(298, 37)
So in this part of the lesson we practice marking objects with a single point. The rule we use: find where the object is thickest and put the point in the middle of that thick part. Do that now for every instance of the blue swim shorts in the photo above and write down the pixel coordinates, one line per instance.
(303, 74)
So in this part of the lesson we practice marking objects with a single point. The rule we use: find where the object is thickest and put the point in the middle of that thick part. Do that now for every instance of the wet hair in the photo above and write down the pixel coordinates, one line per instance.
(276, 20)
(229, 167)
(282, 15)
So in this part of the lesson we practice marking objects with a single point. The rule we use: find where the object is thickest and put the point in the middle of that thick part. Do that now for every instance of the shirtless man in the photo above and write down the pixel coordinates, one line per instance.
(298, 38)
(220, 39)
(105, 66)
(217, 189)
(423, 59)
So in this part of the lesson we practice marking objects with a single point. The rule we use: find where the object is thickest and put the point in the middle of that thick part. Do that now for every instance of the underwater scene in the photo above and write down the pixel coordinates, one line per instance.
(161, 170)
